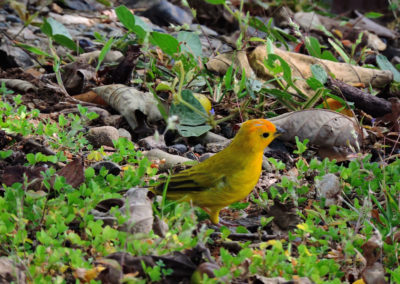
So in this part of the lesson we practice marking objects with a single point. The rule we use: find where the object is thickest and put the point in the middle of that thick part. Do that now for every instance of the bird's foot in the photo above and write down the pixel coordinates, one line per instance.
(226, 223)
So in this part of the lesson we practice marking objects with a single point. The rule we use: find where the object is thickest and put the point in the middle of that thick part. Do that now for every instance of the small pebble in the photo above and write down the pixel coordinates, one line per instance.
(124, 133)
(199, 149)
(103, 135)
(13, 19)
(112, 167)
(181, 148)
(190, 155)
(205, 156)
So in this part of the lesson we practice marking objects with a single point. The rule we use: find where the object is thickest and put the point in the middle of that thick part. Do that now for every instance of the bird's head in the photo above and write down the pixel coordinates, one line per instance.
(257, 134)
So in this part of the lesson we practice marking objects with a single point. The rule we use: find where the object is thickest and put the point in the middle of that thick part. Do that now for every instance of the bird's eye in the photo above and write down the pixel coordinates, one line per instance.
(265, 134)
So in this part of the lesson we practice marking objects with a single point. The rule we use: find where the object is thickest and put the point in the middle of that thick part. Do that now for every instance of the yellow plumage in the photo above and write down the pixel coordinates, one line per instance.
(228, 176)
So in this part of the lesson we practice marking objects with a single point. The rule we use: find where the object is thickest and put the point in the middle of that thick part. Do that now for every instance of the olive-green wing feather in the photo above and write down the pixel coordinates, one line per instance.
(191, 180)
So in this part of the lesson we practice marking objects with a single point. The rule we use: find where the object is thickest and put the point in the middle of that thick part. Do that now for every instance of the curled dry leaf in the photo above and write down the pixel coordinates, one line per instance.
(19, 85)
(252, 61)
(322, 127)
(128, 101)
(300, 65)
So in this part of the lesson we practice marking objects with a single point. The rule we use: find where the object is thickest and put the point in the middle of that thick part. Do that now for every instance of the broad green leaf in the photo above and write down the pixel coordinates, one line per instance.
(384, 64)
(125, 17)
(67, 42)
(326, 54)
(215, 2)
(314, 83)
(140, 23)
(46, 28)
(57, 28)
(166, 42)
(190, 123)
(141, 29)
(319, 73)
(313, 46)
(190, 42)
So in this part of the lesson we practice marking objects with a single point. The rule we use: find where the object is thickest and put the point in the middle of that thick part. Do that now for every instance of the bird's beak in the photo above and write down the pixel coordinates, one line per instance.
(279, 131)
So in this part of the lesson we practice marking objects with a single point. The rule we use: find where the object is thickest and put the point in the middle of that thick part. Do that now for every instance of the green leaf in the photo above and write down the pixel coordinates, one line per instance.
(5, 154)
(340, 50)
(166, 42)
(373, 15)
(258, 25)
(228, 78)
(287, 72)
(46, 28)
(57, 28)
(141, 29)
(314, 83)
(384, 64)
(319, 73)
(125, 17)
(67, 42)
(190, 123)
(190, 42)
(33, 49)
(313, 46)
(106, 48)
(215, 2)
(104, 2)
(326, 54)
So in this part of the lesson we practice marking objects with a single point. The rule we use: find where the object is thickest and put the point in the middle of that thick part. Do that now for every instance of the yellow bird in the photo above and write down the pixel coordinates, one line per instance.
(228, 176)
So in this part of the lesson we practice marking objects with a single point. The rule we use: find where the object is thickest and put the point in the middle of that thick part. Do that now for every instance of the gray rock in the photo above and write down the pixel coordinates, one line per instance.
(102, 136)
(124, 133)
(151, 142)
(181, 148)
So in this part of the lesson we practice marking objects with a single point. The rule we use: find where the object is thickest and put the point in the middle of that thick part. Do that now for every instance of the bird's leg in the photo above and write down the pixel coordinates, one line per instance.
(214, 217)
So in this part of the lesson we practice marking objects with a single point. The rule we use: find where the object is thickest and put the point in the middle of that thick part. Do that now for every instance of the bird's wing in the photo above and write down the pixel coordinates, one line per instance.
(189, 180)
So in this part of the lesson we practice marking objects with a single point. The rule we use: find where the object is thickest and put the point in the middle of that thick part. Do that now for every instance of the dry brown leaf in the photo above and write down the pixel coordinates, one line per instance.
(19, 85)
(301, 69)
(322, 127)
(252, 61)
(90, 97)
(127, 101)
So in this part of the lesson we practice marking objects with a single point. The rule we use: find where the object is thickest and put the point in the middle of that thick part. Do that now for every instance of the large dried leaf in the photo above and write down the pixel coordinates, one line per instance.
(252, 61)
(19, 85)
(322, 127)
(128, 101)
